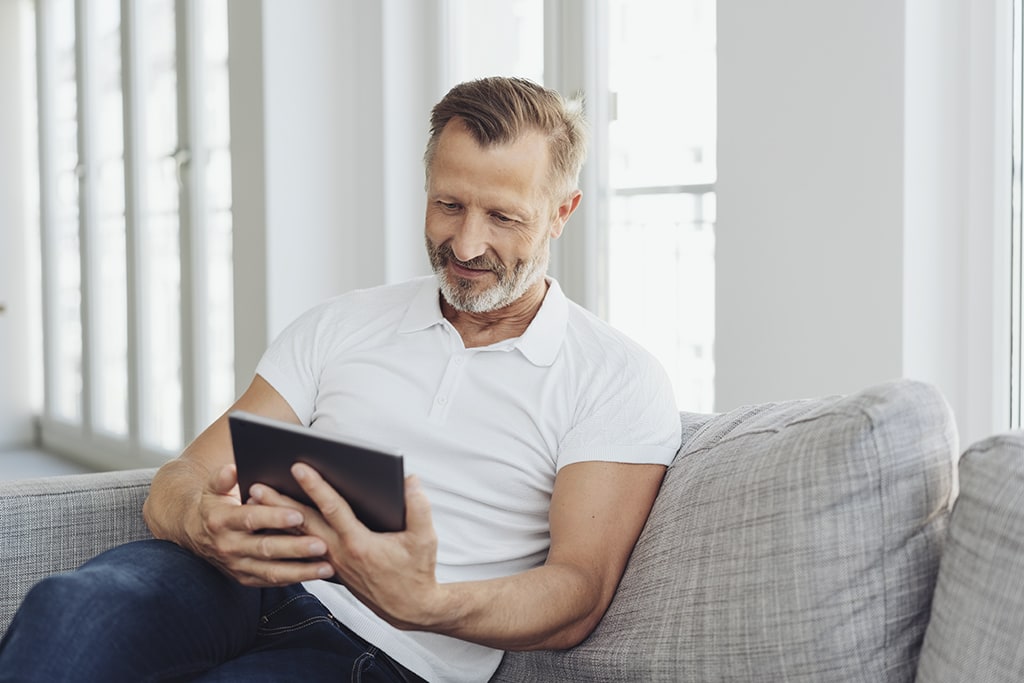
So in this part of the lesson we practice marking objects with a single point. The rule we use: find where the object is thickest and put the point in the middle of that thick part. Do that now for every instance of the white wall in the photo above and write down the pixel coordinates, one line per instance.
(290, 120)
(16, 393)
(329, 111)
(809, 243)
(847, 201)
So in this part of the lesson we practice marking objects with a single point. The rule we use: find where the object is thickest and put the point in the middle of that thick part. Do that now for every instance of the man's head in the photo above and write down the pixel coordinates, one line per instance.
(502, 167)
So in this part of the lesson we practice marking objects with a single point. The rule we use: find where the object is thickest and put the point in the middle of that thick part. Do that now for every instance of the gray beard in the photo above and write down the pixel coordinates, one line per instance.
(510, 287)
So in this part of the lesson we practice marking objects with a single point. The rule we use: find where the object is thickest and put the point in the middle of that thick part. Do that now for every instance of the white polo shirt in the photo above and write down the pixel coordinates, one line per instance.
(485, 429)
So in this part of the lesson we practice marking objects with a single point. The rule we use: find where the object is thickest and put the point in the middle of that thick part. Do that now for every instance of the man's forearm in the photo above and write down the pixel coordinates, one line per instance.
(550, 607)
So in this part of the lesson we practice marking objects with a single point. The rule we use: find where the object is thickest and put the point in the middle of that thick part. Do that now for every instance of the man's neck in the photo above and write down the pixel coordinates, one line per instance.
(484, 329)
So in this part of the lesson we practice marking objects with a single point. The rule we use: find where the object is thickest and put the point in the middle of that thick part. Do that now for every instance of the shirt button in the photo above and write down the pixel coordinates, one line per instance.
(458, 360)
(441, 400)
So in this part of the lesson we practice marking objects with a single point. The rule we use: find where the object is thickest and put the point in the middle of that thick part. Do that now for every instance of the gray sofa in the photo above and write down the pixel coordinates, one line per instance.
(796, 541)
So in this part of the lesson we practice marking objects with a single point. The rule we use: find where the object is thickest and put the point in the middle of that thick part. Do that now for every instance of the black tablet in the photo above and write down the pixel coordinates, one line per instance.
(370, 478)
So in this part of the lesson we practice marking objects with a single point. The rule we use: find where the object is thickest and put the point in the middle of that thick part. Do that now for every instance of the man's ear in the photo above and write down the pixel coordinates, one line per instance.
(565, 209)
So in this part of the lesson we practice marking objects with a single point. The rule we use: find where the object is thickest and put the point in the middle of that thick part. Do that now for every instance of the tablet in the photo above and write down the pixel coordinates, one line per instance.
(370, 478)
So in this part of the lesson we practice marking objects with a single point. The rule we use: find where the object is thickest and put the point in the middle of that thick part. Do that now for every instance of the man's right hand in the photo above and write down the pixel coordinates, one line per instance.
(194, 501)
(258, 545)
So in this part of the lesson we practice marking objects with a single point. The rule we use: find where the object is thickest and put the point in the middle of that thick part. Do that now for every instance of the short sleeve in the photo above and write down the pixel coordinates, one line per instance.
(292, 363)
(628, 414)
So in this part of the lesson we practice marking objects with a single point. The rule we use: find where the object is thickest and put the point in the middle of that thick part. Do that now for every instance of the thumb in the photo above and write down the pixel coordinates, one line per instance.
(418, 517)
(223, 480)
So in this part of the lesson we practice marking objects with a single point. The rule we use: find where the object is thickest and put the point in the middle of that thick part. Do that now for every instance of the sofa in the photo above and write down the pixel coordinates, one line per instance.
(840, 538)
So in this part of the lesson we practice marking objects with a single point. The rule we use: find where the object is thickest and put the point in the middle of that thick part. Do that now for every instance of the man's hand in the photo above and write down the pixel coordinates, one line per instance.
(258, 545)
(194, 501)
(392, 573)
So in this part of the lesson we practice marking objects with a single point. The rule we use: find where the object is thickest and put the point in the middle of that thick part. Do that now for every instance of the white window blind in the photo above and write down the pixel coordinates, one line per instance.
(135, 213)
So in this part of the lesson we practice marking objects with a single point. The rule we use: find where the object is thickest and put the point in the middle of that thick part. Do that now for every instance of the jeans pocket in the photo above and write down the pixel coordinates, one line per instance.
(293, 618)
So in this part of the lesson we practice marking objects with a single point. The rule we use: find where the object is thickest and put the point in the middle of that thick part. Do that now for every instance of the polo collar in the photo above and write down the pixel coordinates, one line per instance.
(543, 338)
(425, 308)
(541, 341)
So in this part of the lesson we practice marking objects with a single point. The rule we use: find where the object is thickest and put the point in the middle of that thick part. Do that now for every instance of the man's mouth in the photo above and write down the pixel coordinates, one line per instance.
(466, 271)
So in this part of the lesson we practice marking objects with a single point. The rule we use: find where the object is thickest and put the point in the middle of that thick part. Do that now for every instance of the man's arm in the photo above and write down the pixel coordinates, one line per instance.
(597, 512)
(194, 502)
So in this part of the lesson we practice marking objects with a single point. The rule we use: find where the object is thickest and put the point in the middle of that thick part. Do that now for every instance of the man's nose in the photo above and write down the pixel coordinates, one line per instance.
(470, 238)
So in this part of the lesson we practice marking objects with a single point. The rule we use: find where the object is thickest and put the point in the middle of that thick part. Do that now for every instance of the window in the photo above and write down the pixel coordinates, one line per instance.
(647, 264)
(135, 213)
(661, 158)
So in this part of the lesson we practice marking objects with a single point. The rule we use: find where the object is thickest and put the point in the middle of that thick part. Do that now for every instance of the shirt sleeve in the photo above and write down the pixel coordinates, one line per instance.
(629, 415)
(292, 363)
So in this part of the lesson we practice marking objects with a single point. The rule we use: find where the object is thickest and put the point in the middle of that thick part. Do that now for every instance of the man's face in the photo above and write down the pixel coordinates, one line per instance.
(490, 218)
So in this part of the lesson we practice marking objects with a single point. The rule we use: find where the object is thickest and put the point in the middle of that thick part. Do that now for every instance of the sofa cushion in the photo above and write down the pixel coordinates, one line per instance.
(791, 541)
(976, 631)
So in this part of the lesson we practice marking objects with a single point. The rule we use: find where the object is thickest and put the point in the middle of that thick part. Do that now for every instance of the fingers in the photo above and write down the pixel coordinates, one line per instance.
(224, 480)
(332, 506)
(339, 515)
(258, 545)
(269, 558)
(257, 573)
(418, 517)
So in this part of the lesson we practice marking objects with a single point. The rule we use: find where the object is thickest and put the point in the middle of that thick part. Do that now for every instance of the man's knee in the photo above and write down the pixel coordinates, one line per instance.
(120, 577)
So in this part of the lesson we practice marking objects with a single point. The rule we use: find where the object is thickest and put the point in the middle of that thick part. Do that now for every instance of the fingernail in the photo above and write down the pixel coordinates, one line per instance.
(299, 471)
(317, 547)
(256, 492)
(325, 572)
(294, 518)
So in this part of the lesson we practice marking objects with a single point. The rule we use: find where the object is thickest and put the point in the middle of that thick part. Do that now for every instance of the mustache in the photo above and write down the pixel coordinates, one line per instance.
(445, 254)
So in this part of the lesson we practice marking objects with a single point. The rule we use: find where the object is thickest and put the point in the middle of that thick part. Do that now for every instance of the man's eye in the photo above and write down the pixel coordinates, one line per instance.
(502, 219)
(449, 206)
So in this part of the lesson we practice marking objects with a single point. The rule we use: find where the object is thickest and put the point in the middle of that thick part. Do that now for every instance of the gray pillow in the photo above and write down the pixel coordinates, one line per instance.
(793, 541)
(977, 626)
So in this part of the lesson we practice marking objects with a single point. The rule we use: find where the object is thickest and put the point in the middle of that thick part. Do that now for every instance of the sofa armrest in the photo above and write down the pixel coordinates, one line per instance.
(55, 524)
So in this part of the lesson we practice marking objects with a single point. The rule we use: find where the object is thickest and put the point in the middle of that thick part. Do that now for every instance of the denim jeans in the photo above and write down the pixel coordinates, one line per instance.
(152, 611)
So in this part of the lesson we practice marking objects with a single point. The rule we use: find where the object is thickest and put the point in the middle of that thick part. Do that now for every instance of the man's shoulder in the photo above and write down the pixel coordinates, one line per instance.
(595, 336)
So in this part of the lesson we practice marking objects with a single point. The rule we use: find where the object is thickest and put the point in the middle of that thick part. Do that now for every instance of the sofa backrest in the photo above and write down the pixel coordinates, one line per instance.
(55, 524)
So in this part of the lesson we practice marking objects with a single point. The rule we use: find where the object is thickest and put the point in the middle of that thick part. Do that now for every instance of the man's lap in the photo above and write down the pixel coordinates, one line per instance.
(154, 611)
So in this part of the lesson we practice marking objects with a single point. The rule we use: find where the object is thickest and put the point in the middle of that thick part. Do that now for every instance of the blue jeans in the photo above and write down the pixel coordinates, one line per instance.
(152, 611)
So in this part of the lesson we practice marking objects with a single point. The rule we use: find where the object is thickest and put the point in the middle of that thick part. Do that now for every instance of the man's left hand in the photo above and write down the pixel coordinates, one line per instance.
(392, 573)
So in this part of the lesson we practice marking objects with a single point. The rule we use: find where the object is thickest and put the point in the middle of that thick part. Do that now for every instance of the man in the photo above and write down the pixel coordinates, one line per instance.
(536, 438)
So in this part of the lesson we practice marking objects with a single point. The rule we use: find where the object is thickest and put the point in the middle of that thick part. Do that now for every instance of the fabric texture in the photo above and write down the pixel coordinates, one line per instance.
(976, 631)
(794, 541)
(56, 524)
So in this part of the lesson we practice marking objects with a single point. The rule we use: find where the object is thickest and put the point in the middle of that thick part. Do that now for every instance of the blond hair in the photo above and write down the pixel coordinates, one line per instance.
(498, 110)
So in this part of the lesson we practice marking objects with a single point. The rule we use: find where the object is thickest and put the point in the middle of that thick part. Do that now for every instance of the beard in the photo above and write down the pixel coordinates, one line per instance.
(512, 283)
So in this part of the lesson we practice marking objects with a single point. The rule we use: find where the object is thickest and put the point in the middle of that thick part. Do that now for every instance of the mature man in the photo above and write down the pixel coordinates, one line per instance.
(536, 438)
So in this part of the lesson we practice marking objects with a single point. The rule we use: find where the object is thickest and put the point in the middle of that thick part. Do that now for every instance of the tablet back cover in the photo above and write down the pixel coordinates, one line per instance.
(371, 480)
